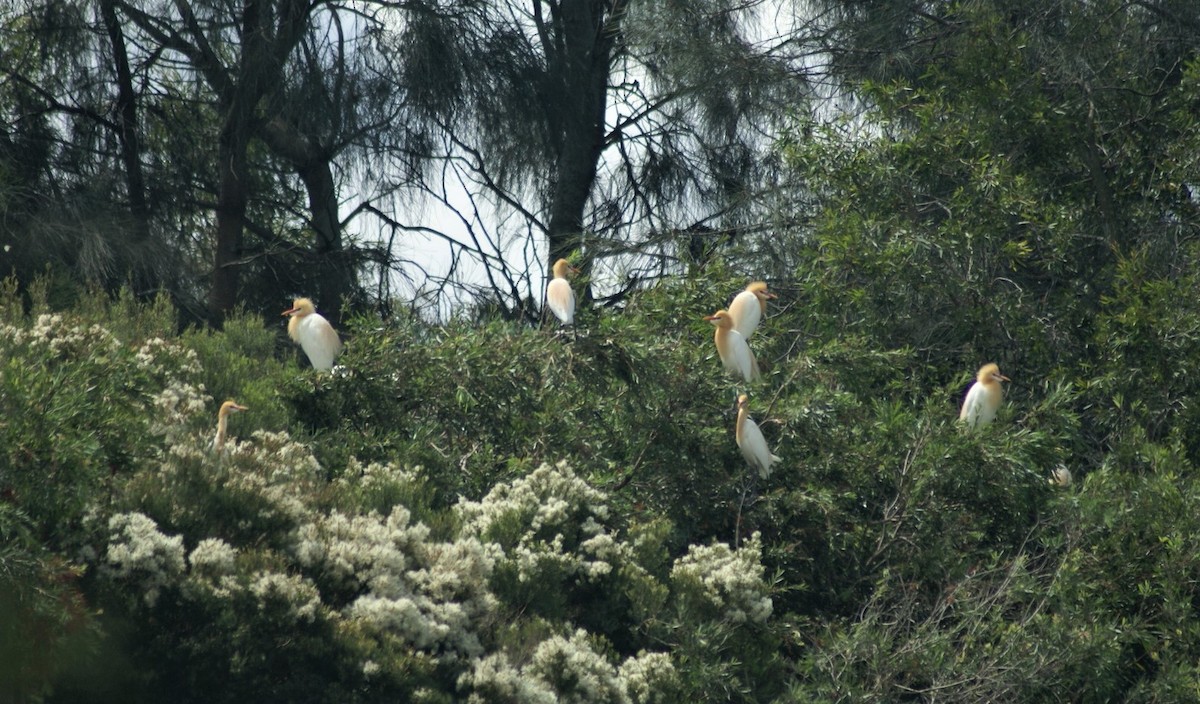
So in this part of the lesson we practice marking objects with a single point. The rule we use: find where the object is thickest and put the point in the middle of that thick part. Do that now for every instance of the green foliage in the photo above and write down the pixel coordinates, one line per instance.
(490, 512)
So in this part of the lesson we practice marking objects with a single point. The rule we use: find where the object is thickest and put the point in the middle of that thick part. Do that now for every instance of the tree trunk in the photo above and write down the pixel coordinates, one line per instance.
(578, 66)
(147, 276)
(231, 213)
(313, 165)
(263, 52)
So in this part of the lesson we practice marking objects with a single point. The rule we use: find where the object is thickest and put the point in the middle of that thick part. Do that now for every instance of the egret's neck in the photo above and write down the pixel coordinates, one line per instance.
(293, 326)
(222, 427)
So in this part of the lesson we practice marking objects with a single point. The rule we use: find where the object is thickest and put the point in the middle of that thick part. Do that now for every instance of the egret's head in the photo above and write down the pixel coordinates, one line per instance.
(759, 289)
(301, 307)
(562, 267)
(743, 402)
(990, 374)
(230, 407)
(721, 319)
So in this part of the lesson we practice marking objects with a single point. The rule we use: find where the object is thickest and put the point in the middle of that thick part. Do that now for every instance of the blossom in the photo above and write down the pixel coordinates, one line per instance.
(137, 551)
(429, 595)
(548, 521)
(213, 557)
(729, 580)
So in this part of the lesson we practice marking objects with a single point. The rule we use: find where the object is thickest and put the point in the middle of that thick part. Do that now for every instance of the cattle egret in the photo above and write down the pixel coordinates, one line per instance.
(223, 422)
(1061, 477)
(984, 397)
(749, 307)
(731, 346)
(559, 295)
(751, 441)
(313, 333)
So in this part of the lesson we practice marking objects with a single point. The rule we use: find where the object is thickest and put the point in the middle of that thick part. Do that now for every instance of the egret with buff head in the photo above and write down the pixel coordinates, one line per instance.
(735, 353)
(313, 333)
(984, 397)
(750, 440)
(560, 297)
(749, 308)
(223, 422)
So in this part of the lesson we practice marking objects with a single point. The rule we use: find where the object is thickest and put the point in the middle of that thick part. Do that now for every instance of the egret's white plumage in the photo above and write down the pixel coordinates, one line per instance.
(750, 440)
(1060, 477)
(984, 397)
(223, 423)
(732, 347)
(749, 308)
(559, 295)
(313, 333)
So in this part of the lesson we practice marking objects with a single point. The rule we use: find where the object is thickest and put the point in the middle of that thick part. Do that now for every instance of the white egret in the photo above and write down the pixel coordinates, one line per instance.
(749, 308)
(313, 333)
(1061, 477)
(731, 346)
(559, 295)
(984, 397)
(223, 422)
(751, 441)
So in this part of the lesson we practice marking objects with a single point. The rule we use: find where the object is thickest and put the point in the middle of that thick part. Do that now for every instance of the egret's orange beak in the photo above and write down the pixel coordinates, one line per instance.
(236, 407)
(1001, 377)
(711, 317)
(289, 311)
(768, 295)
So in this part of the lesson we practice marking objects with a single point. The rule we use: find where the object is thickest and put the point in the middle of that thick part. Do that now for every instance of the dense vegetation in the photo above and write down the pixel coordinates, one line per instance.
(482, 510)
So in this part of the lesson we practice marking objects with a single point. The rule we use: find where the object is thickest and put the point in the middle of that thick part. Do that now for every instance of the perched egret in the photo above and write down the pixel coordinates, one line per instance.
(559, 295)
(1061, 477)
(223, 422)
(313, 333)
(984, 397)
(749, 308)
(751, 441)
(731, 346)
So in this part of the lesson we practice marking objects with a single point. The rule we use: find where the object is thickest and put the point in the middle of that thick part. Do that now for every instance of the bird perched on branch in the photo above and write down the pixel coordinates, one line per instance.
(731, 346)
(751, 441)
(749, 308)
(1060, 477)
(223, 423)
(313, 333)
(560, 297)
(984, 397)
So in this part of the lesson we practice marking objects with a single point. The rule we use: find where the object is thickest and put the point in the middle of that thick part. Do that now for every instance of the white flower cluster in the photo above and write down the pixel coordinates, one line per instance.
(166, 357)
(494, 679)
(295, 596)
(576, 671)
(647, 676)
(138, 551)
(374, 476)
(729, 580)
(175, 406)
(430, 596)
(213, 557)
(569, 670)
(281, 472)
(53, 333)
(556, 512)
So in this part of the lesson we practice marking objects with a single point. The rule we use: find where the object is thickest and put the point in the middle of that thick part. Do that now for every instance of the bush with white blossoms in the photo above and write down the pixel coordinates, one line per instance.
(138, 553)
(549, 523)
(726, 580)
(404, 588)
(60, 338)
(176, 407)
(213, 557)
(570, 670)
